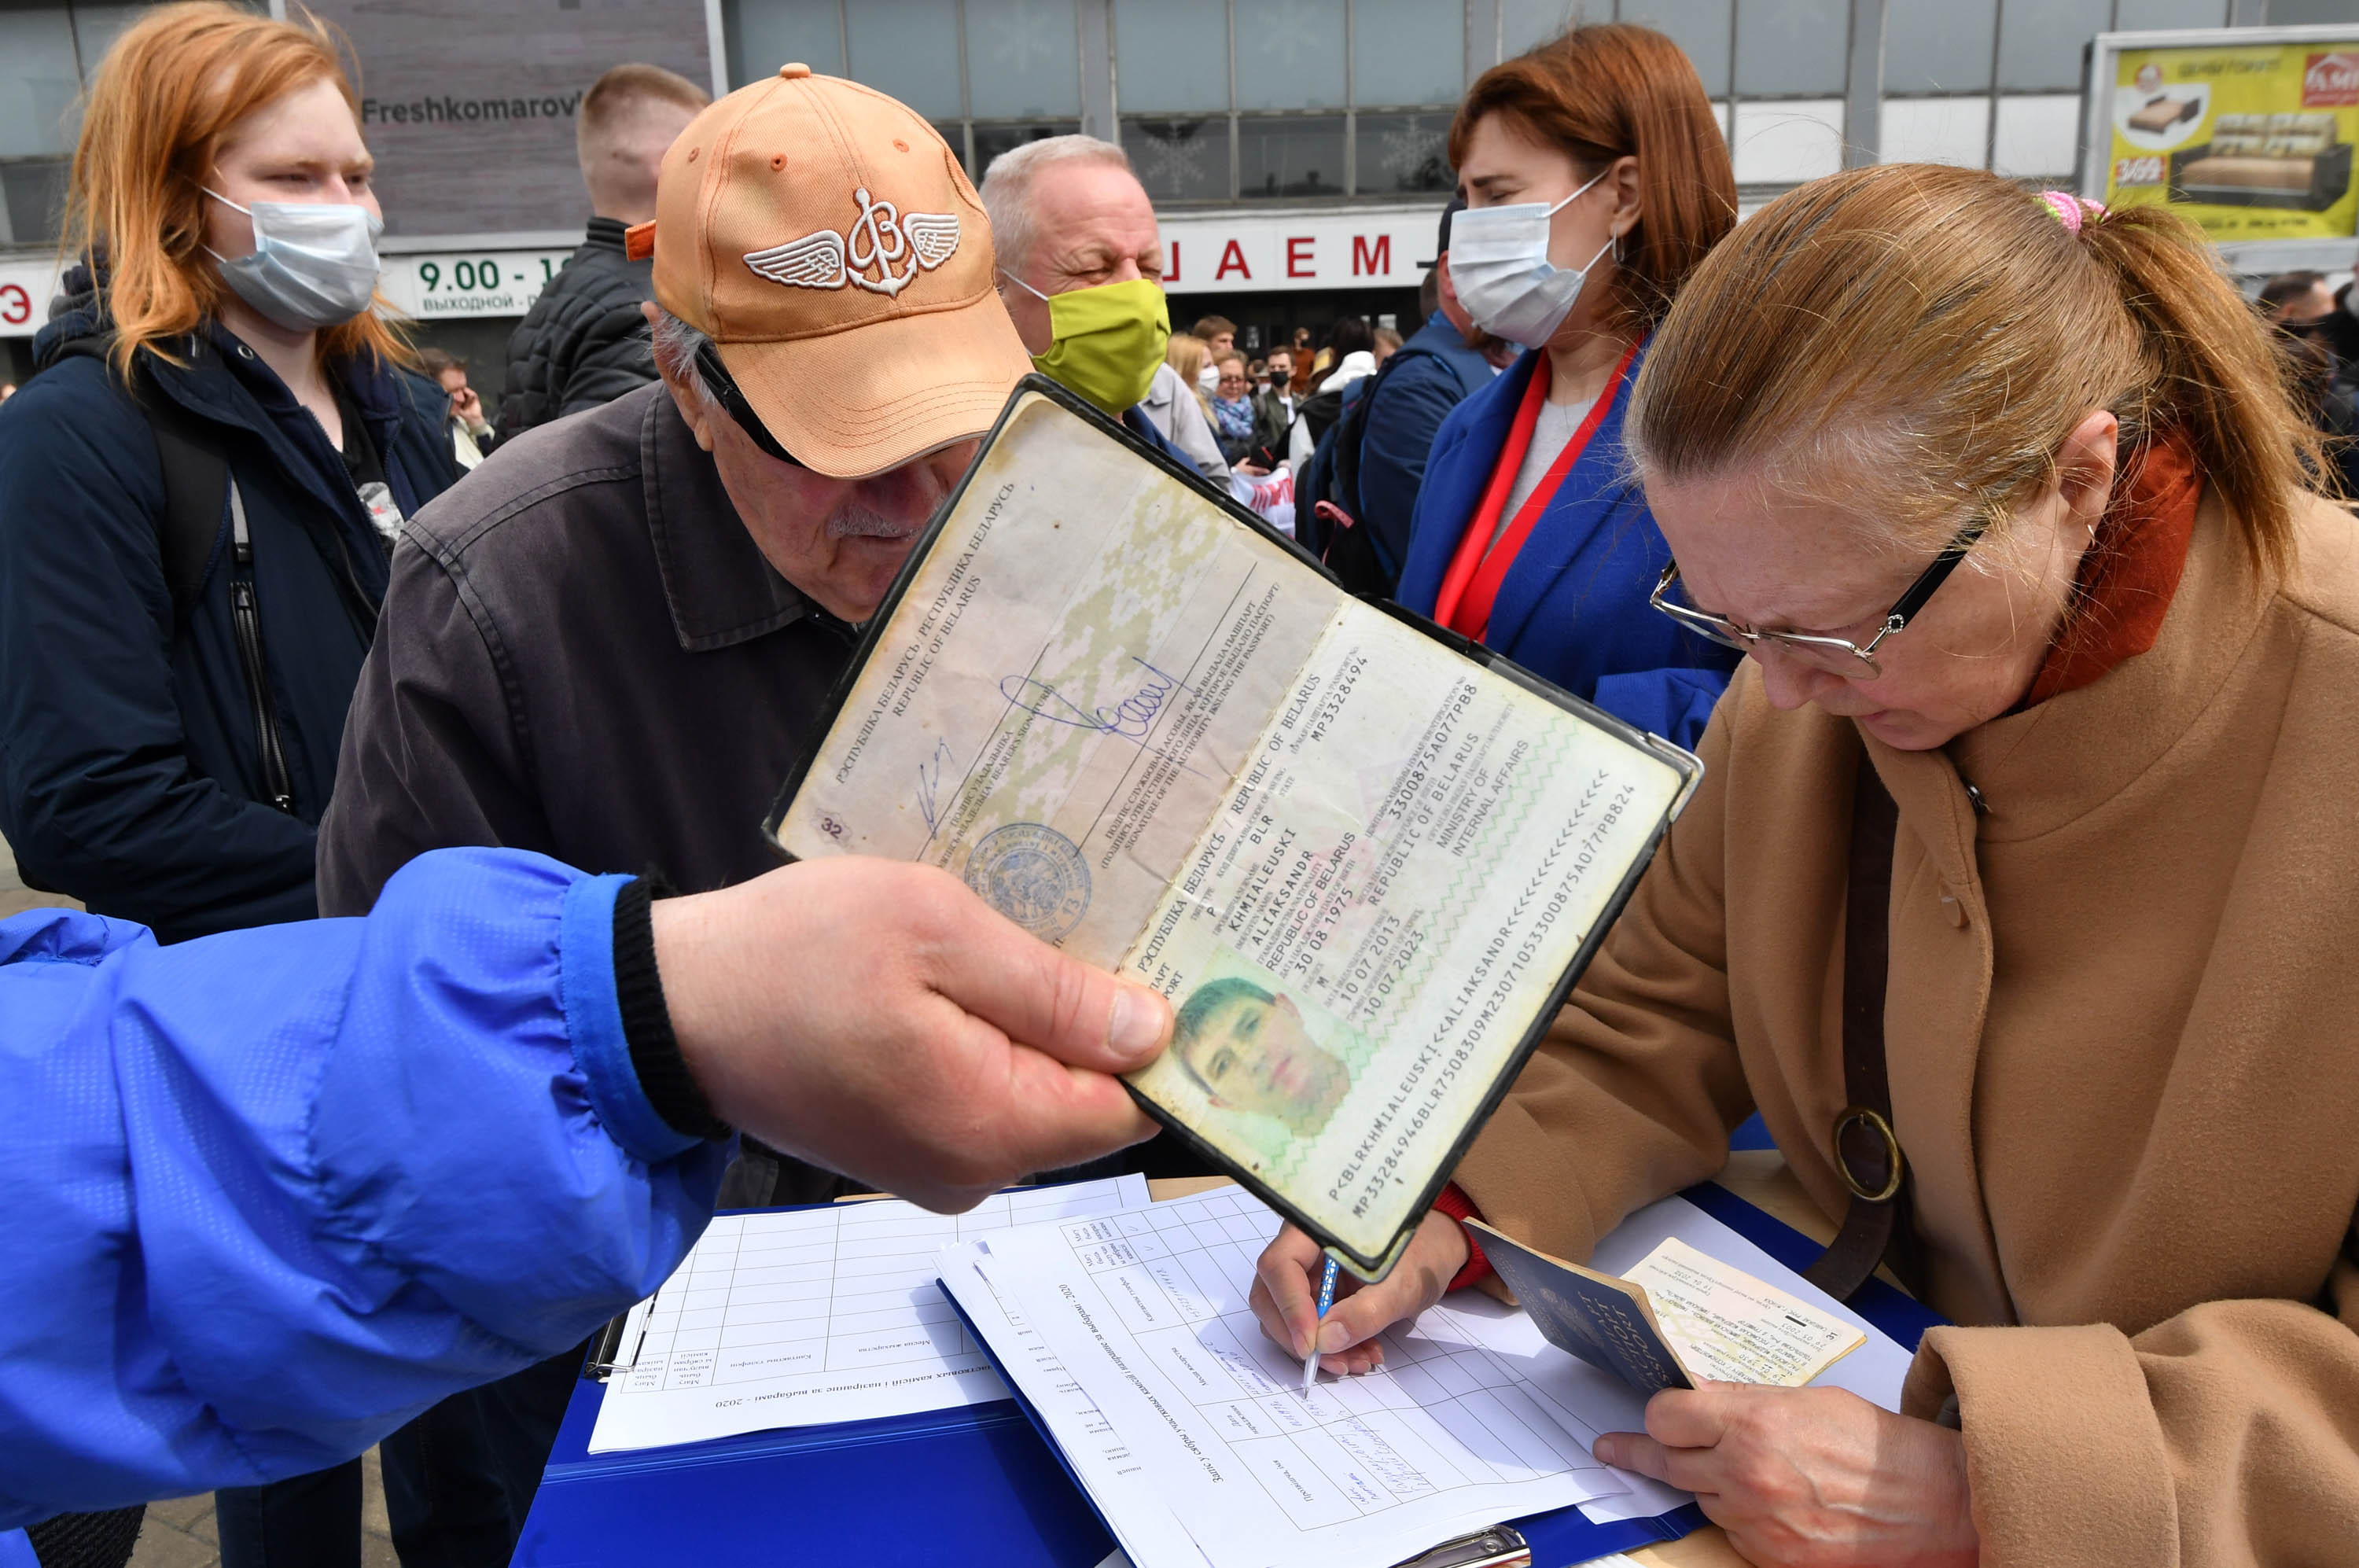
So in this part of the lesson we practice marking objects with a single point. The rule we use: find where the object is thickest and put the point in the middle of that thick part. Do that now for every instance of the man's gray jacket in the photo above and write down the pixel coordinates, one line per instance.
(582, 653)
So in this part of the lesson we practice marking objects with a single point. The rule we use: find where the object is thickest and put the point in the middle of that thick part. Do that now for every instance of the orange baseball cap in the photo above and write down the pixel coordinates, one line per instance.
(822, 235)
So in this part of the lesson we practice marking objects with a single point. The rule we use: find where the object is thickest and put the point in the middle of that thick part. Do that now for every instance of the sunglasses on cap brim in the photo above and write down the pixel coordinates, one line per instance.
(723, 387)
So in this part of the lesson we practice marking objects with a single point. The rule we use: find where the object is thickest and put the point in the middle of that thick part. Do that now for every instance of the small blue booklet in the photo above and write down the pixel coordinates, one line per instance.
(1681, 1318)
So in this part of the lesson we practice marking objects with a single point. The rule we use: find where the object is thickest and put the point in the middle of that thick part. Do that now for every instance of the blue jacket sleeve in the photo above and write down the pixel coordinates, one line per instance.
(97, 795)
(270, 1193)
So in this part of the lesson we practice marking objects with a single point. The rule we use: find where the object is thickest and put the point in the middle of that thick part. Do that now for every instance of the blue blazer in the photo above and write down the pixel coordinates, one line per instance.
(1572, 609)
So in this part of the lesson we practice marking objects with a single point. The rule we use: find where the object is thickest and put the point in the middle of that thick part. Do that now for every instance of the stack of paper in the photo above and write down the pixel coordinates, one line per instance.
(815, 1315)
(1130, 1335)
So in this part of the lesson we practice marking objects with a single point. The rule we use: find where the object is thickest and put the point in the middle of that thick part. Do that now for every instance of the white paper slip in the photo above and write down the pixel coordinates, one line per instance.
(1146, 1311)
(818, 1315)
(1116, 1480)
(1732, 1328)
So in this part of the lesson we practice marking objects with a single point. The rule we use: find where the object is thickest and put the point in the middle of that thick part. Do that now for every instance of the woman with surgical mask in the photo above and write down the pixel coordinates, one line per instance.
(1595, 179)
(199, 494)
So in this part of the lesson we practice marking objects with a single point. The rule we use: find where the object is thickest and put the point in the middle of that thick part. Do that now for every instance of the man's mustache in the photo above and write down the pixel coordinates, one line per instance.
(863, 522)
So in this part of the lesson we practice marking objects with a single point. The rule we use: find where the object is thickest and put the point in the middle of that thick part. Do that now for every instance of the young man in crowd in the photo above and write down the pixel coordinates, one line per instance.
(612, 645)
(1274, 407)
(583, 343)
(1218, 332)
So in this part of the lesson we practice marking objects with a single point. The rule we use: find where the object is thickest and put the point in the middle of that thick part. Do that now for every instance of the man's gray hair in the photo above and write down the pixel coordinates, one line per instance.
(676, 344)
(1008, 187)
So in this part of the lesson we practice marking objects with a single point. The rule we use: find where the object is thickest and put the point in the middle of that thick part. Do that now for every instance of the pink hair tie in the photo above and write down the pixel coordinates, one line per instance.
(2065, 208)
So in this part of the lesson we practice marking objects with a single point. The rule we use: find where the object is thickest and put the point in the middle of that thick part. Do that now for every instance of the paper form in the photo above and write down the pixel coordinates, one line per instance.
(1145, 1311)
(814, 1316)
(1117, 1479)
(1732, 1328)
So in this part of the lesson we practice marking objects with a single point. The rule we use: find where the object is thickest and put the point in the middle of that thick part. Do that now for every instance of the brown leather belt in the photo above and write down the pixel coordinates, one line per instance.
(1866, 1150)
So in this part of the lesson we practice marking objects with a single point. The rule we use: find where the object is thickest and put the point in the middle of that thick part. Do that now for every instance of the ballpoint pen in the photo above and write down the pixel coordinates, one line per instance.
(1326, 1300)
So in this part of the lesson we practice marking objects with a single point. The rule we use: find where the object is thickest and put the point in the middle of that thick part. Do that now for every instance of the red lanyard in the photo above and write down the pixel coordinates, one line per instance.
(1472, 583)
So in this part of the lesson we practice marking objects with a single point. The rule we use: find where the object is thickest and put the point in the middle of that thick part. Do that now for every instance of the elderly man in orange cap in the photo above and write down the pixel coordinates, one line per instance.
(610, 643)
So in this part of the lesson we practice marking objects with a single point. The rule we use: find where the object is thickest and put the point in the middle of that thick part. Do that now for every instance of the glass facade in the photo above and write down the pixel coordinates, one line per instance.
(1287, 100)
(990, 75)
(47, 53)
(1295, 101)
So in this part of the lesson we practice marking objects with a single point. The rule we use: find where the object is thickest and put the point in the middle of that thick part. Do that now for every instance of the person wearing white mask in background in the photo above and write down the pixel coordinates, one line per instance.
(199, 489)
(1595, 179)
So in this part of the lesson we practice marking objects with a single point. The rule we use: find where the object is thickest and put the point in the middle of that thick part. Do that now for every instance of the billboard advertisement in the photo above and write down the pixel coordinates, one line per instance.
(2252, 140)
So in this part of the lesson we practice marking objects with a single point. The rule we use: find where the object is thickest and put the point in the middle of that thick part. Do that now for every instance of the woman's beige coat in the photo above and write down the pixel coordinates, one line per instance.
(2123, 1030)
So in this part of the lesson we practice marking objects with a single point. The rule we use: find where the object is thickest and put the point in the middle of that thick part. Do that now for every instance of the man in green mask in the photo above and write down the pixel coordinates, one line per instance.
(1080, 270)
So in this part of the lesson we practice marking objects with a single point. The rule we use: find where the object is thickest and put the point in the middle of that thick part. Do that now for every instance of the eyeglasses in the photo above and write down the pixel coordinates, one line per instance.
(723, 387)
(1839, 656)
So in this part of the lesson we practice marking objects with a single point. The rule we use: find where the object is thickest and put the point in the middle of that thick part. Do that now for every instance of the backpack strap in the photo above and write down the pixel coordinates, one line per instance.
(196, 484)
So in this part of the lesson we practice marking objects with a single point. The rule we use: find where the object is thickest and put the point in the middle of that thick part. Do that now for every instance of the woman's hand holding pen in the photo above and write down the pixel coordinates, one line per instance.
(1286, 1294)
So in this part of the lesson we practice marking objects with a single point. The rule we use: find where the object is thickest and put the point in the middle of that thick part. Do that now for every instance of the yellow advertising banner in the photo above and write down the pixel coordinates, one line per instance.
(2253, 143)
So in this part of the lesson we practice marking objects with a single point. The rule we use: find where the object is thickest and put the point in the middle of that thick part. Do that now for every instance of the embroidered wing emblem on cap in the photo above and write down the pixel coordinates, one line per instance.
(933, 236)
(884, 251)
(814, 261)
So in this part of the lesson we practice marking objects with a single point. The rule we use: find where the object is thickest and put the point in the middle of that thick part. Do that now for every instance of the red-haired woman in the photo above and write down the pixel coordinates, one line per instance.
(1595, 179)
(199, 492)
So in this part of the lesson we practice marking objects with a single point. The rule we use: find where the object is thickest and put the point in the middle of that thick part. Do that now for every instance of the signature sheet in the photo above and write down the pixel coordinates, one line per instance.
(1130, 1335)
(816, 1315)
(1357, 861)
(1145, 1313)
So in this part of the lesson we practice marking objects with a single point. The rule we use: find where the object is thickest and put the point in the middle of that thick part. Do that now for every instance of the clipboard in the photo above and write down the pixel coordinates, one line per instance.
(810, 827)
(889, 1494)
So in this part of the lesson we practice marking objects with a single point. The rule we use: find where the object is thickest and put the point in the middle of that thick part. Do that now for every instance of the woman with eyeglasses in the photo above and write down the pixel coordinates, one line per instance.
(2021, 896)
(1595, 179)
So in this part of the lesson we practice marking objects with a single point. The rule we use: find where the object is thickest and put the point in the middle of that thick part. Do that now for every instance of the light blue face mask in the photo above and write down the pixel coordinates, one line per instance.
(314, 263)
(1499, 264)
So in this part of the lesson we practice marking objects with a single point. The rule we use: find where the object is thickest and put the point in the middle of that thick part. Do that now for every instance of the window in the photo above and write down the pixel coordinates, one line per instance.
(990, 141)
(1180, 160)
(1699, 26)
(1017, 79)
(1023, 58)
(1940, 45)
(1289, 54)
(2140, 15)
(39, 80)
(1403, 155)
(1793, 49)
(766, 33)
(1173, 56)
(2039, 41)
(910, 49)
(47, 54)
(1524, 25)
(1407, 53)
(1296, 156)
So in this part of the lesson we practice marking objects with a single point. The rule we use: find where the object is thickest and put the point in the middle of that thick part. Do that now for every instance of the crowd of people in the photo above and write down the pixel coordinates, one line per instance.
(1987, 545)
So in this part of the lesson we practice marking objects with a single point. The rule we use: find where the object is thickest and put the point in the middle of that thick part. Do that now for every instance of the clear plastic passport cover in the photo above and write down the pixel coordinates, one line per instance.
(1364, 859)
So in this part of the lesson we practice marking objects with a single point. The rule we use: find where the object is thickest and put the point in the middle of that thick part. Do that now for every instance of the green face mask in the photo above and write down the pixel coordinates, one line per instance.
(1109, 340)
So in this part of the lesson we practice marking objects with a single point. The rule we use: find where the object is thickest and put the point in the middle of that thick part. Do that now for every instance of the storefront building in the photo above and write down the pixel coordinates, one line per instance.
(1295, 149)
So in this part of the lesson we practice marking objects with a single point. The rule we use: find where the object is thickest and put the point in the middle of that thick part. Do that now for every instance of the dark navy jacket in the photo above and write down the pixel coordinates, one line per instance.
(130, 775)
(1437, 373)
(1572, 608)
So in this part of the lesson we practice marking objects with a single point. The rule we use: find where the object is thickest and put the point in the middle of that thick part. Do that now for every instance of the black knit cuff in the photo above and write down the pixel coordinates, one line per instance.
(663, 1072)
